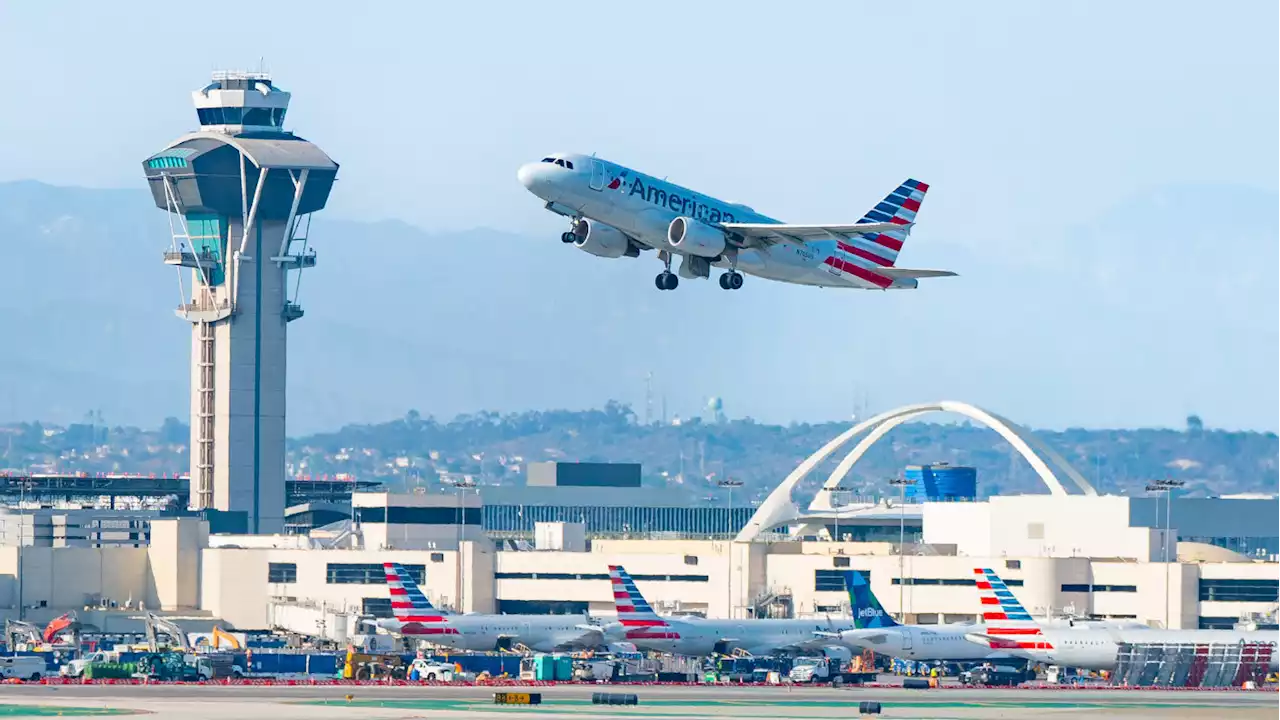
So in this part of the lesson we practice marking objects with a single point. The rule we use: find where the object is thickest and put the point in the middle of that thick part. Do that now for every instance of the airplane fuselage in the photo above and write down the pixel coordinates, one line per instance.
(1099, 649)
(756, 636)
(917, 642)
(643, 207)
(486, 633)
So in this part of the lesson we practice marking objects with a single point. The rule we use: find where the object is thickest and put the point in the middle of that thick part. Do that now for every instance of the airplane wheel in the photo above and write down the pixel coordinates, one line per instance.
(724, 281)
(735, 281)
(567, 237)
(667, 280)
(661, 281)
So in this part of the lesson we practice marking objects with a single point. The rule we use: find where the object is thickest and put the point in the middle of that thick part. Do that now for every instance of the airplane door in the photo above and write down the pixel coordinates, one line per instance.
(906, 638)
(597, 174)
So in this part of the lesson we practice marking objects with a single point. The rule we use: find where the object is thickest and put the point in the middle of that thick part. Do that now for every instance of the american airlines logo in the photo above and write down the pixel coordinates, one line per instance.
(679, 203)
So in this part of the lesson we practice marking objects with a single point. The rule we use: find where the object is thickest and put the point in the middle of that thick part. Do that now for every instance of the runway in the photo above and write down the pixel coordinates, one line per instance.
(174, 702)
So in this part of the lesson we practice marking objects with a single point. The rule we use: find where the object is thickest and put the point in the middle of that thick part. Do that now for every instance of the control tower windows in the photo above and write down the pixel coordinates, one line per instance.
(241, 116)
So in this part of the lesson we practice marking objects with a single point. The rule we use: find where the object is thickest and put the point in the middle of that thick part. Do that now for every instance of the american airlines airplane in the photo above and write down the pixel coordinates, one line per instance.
(415, 617)
(879, 632)
(1010, 628)
(696, 636)
(615, 211)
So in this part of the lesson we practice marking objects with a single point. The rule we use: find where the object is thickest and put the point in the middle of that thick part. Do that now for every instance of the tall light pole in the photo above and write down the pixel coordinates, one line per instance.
(902, 484)
(836, 507)
(1166, 487)
(461, 486)
(729, 484)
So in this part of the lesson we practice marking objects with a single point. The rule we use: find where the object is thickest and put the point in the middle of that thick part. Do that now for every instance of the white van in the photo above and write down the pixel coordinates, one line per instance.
(23, 667)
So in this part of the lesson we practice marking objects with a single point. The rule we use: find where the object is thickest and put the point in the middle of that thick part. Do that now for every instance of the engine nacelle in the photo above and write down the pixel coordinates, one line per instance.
(689, 236)
(602, 240)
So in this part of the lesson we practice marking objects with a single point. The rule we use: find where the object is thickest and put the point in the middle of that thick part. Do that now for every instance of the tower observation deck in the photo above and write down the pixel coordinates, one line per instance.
(239, 195)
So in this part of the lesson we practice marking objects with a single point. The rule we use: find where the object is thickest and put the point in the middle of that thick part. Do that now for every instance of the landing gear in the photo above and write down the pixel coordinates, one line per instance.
(666, 279)
(731, 280)
(567, 237)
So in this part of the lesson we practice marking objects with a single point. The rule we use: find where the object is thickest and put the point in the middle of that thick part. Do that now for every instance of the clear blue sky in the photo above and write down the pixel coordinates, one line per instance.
(1037, 124)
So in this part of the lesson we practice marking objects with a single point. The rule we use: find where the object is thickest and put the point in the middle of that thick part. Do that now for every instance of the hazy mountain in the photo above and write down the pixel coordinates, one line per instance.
(1097, 326)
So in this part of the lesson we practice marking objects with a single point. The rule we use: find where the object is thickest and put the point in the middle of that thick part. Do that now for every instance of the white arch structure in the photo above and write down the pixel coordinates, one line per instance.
(779, 509)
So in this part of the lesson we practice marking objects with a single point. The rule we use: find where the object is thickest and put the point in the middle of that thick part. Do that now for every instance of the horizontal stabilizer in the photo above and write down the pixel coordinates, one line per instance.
(895, 272)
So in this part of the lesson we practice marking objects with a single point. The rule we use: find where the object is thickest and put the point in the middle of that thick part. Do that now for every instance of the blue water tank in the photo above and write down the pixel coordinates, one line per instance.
(941, 481)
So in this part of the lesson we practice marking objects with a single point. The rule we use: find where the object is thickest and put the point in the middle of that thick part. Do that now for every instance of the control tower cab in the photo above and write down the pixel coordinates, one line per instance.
(239, 195)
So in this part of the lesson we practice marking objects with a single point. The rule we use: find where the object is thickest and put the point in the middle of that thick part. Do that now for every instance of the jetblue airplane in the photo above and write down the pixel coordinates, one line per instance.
(416, 617)
(1010, 628)
(879, 632)
(697, 636)
(615, 211)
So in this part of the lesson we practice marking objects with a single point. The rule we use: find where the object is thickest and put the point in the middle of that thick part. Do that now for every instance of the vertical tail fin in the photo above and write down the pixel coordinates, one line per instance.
(866, 608)
(408, 602)
(1004, 615)
(900, 207)
(634, 612)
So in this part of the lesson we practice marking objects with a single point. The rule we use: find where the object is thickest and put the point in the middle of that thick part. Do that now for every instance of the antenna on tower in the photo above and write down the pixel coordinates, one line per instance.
(648, 398)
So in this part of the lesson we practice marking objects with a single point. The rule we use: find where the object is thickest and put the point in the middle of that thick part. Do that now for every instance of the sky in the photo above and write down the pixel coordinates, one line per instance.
(1036, 124)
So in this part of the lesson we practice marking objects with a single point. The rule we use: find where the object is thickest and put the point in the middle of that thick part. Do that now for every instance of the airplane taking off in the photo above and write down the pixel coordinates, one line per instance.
(615, 211)
(696, 636)
(416, 617)
(1010, 628)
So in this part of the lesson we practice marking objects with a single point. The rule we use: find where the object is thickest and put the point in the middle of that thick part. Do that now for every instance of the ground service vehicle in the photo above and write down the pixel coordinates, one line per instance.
(22, 667)
(826, 670)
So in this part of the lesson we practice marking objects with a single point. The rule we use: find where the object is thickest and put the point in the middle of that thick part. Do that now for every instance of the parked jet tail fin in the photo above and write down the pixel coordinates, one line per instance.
(408, 602)
(1004, 616)
(634, 612)
(867, 611)
(898, 207)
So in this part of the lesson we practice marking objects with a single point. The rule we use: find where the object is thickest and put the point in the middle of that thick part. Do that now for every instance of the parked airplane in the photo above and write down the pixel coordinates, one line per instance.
(879, 632)
(615, 211)
(1011, 628)
(698, 636)
(415, 617)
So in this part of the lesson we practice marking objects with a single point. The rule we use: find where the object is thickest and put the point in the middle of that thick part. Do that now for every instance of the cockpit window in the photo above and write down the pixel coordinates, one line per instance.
(550, 160)
(568, 164)
(558, 161)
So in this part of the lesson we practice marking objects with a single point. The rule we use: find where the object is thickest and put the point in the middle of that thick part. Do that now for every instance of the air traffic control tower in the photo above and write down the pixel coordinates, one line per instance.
(239, 194)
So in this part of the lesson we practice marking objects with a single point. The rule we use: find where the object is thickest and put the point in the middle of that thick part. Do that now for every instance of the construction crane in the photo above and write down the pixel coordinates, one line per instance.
(157, 625)
(15, 631)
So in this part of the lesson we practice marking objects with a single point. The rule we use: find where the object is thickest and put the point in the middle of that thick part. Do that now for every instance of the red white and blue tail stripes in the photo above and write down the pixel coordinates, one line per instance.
(860, 255)
(634, 612)
(1004, 615)
(411, 606)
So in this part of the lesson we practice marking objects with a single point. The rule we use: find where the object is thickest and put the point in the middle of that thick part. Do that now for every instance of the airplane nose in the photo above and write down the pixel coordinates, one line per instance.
(529, 176)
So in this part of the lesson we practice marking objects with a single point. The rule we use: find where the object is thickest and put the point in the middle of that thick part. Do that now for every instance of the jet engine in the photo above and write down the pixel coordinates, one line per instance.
(602, 240)
(689, 236)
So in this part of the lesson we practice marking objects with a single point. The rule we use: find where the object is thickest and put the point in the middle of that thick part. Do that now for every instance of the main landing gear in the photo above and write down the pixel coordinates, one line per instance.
(731, 280)
(567, 237)
(666, 279)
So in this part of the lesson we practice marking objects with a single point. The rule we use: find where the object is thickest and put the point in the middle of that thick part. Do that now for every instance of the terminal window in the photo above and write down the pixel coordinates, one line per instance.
(376, 607)
(282, 573)
(840, 562)
(1236, 590)
(367, 573)
(833, 580)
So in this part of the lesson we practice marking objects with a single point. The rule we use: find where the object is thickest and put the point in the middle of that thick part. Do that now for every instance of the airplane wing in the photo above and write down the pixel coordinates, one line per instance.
(770, 233)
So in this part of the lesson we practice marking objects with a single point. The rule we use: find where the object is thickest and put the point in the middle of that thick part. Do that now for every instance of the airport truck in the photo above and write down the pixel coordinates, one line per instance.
(827, 670)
